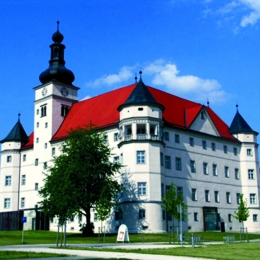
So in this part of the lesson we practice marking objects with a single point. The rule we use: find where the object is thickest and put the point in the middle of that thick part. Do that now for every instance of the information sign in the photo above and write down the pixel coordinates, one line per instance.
(122, 234)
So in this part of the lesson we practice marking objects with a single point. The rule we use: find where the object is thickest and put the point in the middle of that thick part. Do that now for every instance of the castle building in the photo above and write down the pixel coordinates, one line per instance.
(159, 138)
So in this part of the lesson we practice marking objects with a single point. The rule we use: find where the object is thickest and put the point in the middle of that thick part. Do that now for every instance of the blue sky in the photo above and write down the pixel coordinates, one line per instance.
(197, 49)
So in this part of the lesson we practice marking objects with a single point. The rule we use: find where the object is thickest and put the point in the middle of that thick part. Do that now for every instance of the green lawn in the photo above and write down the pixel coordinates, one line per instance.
(21, 255)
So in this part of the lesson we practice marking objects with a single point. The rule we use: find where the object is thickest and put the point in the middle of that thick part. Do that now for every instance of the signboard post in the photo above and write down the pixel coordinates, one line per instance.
(24, 220)
(122, 234)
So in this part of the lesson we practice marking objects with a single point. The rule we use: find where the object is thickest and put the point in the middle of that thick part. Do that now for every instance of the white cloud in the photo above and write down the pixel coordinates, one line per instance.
(254, 16)
(167, 74)
(123, 75)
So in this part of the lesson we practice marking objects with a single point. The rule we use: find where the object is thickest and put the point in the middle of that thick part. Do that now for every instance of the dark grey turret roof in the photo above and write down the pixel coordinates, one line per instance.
(239, 125)
(17, 134)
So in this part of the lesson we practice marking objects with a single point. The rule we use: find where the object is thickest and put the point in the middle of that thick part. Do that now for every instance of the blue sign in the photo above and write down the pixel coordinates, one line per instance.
(24, 219)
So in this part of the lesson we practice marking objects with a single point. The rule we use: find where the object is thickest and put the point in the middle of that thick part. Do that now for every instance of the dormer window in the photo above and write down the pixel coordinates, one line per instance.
(202, 115)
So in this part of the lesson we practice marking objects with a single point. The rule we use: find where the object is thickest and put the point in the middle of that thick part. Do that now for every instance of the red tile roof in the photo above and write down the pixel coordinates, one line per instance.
(102, 111)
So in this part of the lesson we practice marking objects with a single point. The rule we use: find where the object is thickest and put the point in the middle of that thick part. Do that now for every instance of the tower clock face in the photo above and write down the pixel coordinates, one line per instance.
(64, 92)
(44, 91)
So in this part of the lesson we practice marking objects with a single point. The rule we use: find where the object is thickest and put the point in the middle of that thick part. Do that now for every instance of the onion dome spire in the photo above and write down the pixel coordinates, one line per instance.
(57, 70)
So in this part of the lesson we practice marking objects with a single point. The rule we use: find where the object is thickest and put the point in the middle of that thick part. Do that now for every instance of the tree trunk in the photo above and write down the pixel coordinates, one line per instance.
(88, 230)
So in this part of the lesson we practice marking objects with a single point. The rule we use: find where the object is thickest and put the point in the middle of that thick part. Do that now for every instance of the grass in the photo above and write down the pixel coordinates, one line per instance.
(47, 237)
(21, 255)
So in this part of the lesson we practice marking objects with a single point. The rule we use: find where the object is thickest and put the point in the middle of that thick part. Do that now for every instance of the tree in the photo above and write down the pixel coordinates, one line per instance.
(242, 213)
(171, 202)
(82, 177)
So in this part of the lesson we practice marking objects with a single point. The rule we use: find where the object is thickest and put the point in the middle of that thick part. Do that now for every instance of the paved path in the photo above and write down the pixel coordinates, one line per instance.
(81, 254)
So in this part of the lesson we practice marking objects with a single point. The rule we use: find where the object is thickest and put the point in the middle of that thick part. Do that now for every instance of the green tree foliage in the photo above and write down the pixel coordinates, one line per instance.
(171, 202)
(81, 178)
(242, 213)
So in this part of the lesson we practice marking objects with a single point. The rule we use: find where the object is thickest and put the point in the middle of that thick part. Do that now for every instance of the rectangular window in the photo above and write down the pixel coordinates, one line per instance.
(166, 136)
(7, 203)
(205, 168)
(45, 165)
(115, 137)
(141, 213)
(71, 218)
(8, 180)
(215, 170)
(237, 177)
(46, 125)
(162, 190)
(36, 186)
(141, 188)
(95, 217)
(43, 110)
(179, 191)
(116, 159)
(251, 174)
(216, 196)
(53, 151)
(140, 157)
(235, 151)
(163, 214)
(177, 138)
(167, 162)
(252, 198)
(37, 140)
(161, 159)
(195, 216)
(207, 196)
(178, 163)
(191, 141)
(45, 146)
(9, 158)
(80, 217)
(106, 139)
(213, 146)
(36, 162)
(229, 218)
(228, 197)
(226, 171)
(23, 180)
(238, 198)
(225, 149)
(255, 217)
(192, 166)
(24, 157)
(249, 152)
(22, 202)
(194, 195)
(119, 214)
(204, 144)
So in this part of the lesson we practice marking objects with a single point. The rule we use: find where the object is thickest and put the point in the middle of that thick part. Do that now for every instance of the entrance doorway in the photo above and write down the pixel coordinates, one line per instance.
(210, 218)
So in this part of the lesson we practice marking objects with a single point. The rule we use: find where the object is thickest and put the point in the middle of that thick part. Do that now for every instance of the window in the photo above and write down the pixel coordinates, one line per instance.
(141, 188)
(167, 162)
(116, 159)
(228, 197)
(213, 146)
(45, 146)
(64, 110)
(204, 145)
(195, 216)
(179, 191)
(115, 137)
(166, 136)
(9, 158)
(140, 157)
(205, 168)
(252, 198)
(249, 152)
(106, 139)
(37, 112)
(8, 180)
(194, 195)
(225, 149)
(95, 216)
(23, 180)
(161, 159)
(37, 140)
(229, 218)
(255, 217)
(24, 157)
(177, 138)
(226, 171)
(53, 151)
(163, 214)
(36, 162)
(192, 166)
(46, 125)
(141, 213)
(162, 190)
(45, 165)
(191, 141)
(43, 110)
(119, 214)
(216, 196)
(22, 202)
(215, 170)
(207, 196)
(80, 217)
(178, 163)
(7, 203)
(238, 198)
(235, 150)
(71, 218)
(202, 115)
(37, 124)
(237, 174)
(250, 174)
